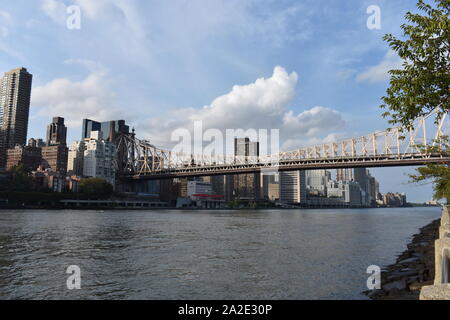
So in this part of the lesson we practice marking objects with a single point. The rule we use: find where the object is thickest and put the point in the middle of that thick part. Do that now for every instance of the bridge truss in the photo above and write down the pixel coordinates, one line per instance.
(422, 144)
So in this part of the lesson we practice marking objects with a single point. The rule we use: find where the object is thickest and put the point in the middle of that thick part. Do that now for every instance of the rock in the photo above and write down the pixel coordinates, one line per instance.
(409, 260)
(417, 286)
(396, 285)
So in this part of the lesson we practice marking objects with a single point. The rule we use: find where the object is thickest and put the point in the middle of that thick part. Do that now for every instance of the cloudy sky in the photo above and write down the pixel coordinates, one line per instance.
(311, 68)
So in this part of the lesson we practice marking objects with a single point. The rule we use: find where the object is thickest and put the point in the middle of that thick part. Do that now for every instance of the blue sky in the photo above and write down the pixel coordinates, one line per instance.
(162, 64)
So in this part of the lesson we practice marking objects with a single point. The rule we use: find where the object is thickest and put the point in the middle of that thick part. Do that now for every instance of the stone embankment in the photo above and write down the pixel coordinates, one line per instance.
(413, 269)
(440, 290)
(423, 270)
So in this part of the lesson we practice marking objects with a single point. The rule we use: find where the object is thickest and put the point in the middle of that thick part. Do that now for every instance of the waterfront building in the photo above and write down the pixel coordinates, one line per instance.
(394, 199)
(247, 186)
(292, 186)
(274, 191)
(56, 132)
(348, 191)
(29, 156)
(268, 180)
(217, 184)
(15, 93)
(316, 181)
(198, 188)
(362, 176)
(99, 158)
(46, 178)
(76, 158)
(169, 190)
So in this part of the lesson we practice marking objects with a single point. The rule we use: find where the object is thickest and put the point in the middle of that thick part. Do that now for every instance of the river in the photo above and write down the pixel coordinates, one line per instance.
(169, 254)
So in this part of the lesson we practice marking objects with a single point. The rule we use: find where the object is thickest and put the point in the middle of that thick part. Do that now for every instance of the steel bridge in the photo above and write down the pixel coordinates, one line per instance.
(423, 143)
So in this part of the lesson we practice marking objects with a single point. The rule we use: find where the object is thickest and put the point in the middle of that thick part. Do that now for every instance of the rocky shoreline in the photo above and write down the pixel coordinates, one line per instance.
(413, 269)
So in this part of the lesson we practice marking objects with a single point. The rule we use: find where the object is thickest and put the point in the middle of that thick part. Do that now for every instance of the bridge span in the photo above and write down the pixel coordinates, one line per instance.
(423, 143)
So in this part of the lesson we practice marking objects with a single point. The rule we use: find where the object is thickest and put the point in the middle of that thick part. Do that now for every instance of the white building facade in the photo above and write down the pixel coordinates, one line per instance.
(99, 159)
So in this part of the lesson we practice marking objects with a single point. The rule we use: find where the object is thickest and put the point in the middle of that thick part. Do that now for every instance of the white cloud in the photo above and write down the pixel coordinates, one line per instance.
(380, 72)
(259, 105)
(76, 100)
(55, 9)
(5, 22)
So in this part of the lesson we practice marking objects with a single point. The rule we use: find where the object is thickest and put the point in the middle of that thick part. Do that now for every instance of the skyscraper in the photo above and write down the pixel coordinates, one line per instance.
(244, 186)
(109, 129)
(361, 175)
(55, 153)
(56, 132)
(15, 93)
(293, 186)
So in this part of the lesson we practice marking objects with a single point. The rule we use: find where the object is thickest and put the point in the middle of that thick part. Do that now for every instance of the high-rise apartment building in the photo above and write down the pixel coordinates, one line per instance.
(363, 177)
(15, 93)
(55, 158)
(76, 158)
(99, 158)
(55, 152)
(56, 132)
(292, 186)
(316, 181)
(244, 186)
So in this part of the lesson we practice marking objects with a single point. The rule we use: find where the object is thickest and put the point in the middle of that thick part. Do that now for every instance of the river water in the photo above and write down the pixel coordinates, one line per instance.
(167, 254)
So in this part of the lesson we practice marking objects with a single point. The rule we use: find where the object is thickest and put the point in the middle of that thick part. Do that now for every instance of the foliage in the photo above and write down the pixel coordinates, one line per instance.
(19, 180)
(439, 174)
(96, 187)
(423, 83)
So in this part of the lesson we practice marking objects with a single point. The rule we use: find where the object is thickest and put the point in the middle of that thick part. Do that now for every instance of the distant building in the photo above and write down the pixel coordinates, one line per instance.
(362, 176)
(15, 92)
(292, 186)
(344, 175)
(99, 158)
(55, 158)
(198, 188)
(244, 186)
(76, 158)
(266, 181)
(394, 199)
(316, 182)
(29, 156)
(217, 184)
(109, 129)
(273, 191)
(56, 132)
(37, 143)
(49, 179)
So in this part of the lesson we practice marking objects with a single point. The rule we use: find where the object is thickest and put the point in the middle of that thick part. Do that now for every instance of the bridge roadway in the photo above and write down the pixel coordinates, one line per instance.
(292, 165)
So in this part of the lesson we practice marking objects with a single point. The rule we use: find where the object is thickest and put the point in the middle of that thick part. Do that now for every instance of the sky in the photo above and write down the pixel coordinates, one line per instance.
(311, 68)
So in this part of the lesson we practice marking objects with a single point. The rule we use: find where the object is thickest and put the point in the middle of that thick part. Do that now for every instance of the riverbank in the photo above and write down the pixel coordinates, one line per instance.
(413, 269)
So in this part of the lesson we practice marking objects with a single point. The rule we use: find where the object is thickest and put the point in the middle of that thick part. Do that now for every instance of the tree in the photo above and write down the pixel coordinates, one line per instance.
(423, 83)
(96, 187)
(20, 180)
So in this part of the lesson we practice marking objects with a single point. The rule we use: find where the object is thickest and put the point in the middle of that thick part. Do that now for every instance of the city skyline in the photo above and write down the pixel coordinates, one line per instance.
(94, 79)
